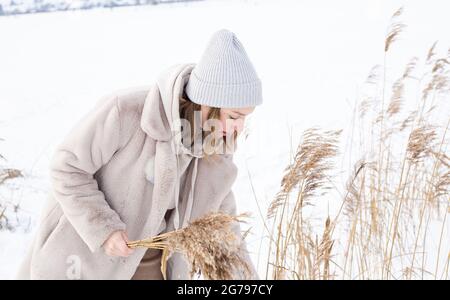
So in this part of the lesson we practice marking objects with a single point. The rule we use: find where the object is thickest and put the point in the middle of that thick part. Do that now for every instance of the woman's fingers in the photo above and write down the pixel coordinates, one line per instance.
(123, 249)
(124, 236)
(117, 245)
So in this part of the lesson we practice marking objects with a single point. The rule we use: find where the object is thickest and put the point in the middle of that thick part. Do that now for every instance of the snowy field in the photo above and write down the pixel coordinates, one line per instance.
(312, 57)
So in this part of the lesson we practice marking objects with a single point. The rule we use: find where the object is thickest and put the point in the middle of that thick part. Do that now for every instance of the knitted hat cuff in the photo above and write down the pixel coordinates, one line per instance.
(224, 95)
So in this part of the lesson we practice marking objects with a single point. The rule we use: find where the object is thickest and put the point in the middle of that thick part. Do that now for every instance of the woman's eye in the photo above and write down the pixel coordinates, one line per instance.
(238, 117)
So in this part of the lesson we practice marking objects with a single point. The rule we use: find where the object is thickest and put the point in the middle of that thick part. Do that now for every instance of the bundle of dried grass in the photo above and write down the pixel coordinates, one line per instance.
(210, 245)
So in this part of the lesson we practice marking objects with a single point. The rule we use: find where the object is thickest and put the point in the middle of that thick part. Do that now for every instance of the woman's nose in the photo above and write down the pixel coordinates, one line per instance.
(234, 126)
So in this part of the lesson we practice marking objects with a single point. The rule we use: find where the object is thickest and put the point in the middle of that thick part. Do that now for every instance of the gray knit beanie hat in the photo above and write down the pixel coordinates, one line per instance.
(224, 76)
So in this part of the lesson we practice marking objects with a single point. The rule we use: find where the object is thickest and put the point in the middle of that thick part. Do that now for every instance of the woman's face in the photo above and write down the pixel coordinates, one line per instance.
(231, 119)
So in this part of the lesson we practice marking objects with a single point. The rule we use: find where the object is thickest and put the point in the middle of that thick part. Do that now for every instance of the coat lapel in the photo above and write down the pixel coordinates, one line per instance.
(164, 185)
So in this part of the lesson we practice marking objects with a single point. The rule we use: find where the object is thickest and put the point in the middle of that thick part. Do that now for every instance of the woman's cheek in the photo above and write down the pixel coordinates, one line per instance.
(225, 125)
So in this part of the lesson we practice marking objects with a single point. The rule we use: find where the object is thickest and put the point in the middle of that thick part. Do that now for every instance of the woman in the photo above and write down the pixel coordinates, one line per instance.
(117, 174)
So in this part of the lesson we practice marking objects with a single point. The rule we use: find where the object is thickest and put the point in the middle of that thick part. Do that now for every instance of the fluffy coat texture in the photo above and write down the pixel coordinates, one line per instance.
(100, 185)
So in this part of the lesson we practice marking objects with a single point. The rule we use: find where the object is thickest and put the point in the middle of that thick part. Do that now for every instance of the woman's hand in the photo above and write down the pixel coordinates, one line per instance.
(116, 245)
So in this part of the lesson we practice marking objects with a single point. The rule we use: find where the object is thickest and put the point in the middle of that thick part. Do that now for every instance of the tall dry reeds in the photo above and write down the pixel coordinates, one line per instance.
(297, 253)
(392, 218)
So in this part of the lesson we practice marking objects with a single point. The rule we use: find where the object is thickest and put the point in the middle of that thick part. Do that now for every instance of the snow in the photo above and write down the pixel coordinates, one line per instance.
(12, 7)
(312, 57)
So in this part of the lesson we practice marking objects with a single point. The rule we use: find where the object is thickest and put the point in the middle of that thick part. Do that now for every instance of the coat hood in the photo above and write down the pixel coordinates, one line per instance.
(160, 112)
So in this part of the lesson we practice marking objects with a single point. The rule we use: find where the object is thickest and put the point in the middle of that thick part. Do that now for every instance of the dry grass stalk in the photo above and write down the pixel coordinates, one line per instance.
(311, 162)
(324, 251)
(374, 75)
(420, 143)
(399, 87)
(308, 177)
(394, 31)
(6, 174)
(210, 245)
(431, 53)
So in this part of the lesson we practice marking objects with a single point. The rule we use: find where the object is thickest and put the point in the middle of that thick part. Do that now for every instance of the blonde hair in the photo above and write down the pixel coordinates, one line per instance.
(187, 110)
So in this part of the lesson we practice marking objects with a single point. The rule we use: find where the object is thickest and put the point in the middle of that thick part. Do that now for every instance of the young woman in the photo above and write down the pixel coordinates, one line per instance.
(139, 164)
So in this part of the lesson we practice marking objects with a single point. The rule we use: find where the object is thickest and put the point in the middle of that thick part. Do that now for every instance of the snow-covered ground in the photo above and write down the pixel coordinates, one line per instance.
(312, 56)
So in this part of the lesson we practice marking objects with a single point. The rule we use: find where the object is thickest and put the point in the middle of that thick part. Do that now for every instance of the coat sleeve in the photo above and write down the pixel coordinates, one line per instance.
(228, 206)
(87, 147)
